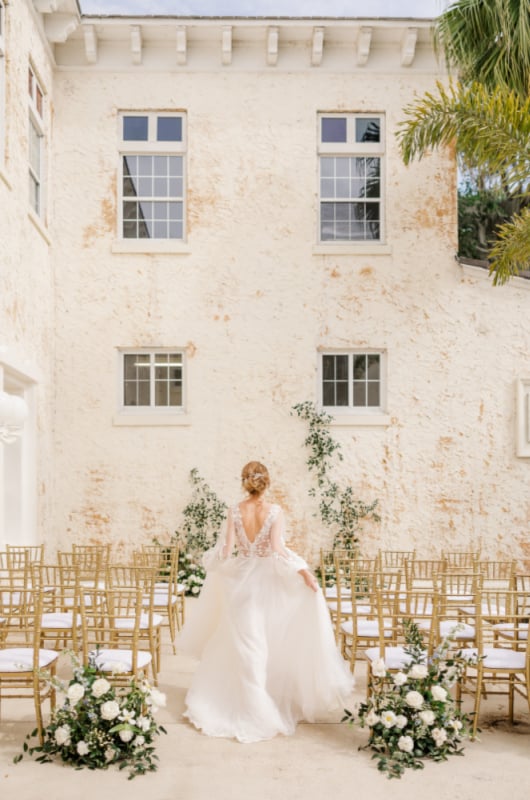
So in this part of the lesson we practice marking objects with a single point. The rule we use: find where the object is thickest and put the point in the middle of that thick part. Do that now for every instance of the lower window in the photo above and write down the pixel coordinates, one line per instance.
(153, 379)
(352, 380)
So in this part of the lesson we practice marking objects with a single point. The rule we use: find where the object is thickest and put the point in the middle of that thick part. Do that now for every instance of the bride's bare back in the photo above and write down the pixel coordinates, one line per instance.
(253, 516)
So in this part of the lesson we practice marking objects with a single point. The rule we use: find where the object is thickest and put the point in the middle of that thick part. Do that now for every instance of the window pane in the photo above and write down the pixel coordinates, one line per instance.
(359, 367)
(333, 129)
(373, 393)
(135, 129)
(341, 363)
(342, 394)
(328, 367)
(359, 394)
(367, 129)
(175, 394)
(328, 394)
(169, 129)
(373, 367)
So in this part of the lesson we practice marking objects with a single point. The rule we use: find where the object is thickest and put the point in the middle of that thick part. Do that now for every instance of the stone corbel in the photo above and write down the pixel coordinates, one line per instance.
(226, 45)
(364, 42)
(91, 44)
(46, 6)
(136, 44)
(317, 47)
(408, 46)
(182, 46)
(273, 35)
(58, 27)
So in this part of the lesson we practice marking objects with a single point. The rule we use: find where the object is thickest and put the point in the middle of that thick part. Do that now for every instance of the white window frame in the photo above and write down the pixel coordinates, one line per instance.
(350, 409)
(36, 120)
(152, 409)
(151, 147)
(351, 149)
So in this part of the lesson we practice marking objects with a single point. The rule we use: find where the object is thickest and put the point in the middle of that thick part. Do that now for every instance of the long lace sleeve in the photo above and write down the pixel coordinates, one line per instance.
(287, 558)
(223, 548)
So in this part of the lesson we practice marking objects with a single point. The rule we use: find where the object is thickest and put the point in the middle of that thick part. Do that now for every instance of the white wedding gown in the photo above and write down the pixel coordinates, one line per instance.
(263, 638)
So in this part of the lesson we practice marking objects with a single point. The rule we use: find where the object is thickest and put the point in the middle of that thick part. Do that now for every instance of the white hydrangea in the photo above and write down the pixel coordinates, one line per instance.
(439, 735)
(82, 748)
(126, 735)
(139, 741)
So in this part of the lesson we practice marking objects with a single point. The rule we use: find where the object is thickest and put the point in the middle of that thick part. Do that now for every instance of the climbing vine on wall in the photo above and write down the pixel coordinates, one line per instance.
(338, 507)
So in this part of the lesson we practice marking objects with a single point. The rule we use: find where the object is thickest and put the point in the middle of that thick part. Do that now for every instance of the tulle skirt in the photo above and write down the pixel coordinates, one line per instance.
(266, 651)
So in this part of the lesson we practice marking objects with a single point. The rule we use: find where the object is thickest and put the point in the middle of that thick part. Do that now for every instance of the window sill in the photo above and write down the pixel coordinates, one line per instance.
(361, 420)
(148, 246)
(4, 178)
(349, 249)
(151, 420)
(39, 225)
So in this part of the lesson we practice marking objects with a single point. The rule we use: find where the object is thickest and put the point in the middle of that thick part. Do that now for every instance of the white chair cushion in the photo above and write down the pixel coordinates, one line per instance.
(20, 659)
(366, 628)
(59, 619)
(120, 660)
(447, 627)
(394, 657)
(507, 630)
(127, 623)
(499, 658)
(331, 591)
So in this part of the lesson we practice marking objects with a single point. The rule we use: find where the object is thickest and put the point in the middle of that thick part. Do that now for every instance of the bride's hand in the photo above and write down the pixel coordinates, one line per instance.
(309, 579)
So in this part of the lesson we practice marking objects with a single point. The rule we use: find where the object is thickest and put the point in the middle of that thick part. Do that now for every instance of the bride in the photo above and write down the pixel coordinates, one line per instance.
(260, 630)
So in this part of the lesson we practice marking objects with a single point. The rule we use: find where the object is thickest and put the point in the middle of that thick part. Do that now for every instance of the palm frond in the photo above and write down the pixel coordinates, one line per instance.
(511, 252)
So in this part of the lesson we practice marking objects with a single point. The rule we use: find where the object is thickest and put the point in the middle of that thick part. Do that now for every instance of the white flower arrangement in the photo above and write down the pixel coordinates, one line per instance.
(411, 714)
(99, 725)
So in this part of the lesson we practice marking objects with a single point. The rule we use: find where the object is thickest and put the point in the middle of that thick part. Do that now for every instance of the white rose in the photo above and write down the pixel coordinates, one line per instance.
(195, 589)
(439, 735)
(414, 699)
(439, 693)
(371, 718)
(406, 744)
(82, 748)
(144, 723)
(456, 725)
(100, 687)
(427, 717)
(75, 692)
(109, 710)
(418, 671)
(139, 741)
(379, 668)
(126, 735)
(62, 735)
(400, 679)
(388, 718)
(401, 721)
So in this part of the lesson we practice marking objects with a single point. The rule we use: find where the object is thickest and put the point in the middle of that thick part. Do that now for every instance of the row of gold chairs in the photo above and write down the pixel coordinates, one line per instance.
(108, 612)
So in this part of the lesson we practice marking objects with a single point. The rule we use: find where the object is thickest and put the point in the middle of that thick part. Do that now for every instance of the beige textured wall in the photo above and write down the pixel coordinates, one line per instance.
(253, 303)
(27, 313)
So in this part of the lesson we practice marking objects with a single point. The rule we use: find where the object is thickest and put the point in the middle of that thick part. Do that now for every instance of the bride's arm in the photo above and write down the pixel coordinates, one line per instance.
(288, 556)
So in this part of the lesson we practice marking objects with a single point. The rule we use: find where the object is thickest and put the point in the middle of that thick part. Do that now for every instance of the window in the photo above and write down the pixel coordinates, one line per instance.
(153, 380)
(353, 381)
(351, 151)
(152, 175)
(36, 143)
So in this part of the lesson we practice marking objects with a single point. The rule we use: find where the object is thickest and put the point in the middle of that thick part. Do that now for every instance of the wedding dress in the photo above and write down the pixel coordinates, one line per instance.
(263, 638)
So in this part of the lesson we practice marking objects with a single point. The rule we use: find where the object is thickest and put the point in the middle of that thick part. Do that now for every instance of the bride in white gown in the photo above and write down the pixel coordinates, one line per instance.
(261, 631)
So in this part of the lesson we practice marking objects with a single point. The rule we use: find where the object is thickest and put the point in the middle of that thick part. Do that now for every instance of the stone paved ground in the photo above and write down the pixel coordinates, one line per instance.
(320, 761)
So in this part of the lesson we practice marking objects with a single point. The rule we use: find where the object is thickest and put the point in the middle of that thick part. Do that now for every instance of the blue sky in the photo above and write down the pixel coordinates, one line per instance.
(264, 8)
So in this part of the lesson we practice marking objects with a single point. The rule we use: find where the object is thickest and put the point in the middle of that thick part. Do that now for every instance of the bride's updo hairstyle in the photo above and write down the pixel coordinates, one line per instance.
(255, 477)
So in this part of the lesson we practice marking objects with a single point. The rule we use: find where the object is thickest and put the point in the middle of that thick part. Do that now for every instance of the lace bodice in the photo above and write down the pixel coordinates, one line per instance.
(262, 545)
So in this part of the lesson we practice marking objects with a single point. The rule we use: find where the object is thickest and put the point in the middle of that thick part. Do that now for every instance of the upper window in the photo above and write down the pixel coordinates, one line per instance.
(351, 148)
(153, 379)
(353, 380)
(152, 175)
(36, 143)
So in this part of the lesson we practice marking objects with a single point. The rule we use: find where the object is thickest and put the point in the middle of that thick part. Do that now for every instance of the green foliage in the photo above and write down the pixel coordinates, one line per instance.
(203, 517)
(97, 726)
(480, 211)
(338, 507)
(411, 714)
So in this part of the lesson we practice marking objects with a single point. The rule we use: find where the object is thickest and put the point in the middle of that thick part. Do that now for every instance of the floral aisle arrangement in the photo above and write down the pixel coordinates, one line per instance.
(98, 725)
(411, 714)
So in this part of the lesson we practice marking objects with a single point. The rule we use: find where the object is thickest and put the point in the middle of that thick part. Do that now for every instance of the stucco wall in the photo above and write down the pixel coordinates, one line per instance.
(252, 302)
(27, 309)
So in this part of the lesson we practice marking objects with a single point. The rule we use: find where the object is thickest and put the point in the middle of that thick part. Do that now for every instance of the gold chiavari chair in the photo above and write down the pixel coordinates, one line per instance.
(149, 632)
(170, 595)
(90, 561)
(500, 659)
(388, 560)
(460, 560)
(422, 573)
(114, 647)
(22, 659)
(24, 556)
(61, 618)
(497, 574)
